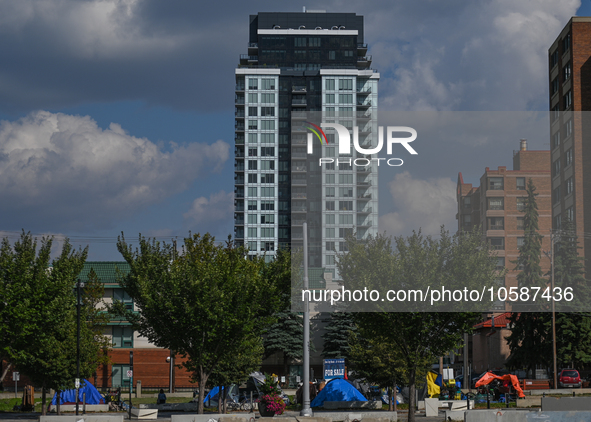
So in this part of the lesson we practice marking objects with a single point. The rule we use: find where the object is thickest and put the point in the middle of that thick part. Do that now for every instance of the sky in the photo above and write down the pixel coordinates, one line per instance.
(117, 116)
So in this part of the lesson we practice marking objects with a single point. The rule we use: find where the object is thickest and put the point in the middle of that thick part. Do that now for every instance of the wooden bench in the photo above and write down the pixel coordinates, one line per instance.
(536, 384)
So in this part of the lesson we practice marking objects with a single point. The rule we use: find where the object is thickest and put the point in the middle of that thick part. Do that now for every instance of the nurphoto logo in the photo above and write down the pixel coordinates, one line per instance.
(344, 142)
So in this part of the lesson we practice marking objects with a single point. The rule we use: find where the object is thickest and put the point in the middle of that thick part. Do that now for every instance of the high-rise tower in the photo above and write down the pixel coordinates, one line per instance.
(299, 63)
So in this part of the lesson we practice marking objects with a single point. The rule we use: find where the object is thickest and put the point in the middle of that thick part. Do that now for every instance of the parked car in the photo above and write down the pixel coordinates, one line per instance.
(569, 378)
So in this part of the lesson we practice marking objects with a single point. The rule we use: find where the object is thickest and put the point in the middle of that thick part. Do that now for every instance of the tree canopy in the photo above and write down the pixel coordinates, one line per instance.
(38, 313)
(416, 261)
(206, 302)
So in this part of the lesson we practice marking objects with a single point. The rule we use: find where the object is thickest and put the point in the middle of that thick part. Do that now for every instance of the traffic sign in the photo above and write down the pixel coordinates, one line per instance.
(16, 376)
(77, 382)
(130, 374)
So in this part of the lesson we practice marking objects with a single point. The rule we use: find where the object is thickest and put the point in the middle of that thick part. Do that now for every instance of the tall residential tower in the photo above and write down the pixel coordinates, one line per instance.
(570, 105)
(299, 63)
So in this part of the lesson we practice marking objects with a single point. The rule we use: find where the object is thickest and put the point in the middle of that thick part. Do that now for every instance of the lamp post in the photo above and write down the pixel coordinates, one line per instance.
(130, 380)
(552, 239)
(79, 285)
(306, 409)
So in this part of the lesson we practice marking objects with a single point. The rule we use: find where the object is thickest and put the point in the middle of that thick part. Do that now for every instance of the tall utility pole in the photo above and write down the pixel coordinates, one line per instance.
(306, 409)
(552, 237)
(79, 284)
(130, 379)
(551, 256)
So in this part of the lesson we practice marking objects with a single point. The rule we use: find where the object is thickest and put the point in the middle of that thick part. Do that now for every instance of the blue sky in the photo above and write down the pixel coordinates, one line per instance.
(118, 115)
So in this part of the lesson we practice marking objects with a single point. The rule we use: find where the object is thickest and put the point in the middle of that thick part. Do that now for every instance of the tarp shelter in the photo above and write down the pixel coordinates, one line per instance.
(489, 376)
(231, 395)
(337, 390)
(434, 381)
(69, 396)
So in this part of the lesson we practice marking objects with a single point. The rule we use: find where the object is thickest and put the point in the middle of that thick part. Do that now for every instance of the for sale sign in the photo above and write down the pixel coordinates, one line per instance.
(333, 368)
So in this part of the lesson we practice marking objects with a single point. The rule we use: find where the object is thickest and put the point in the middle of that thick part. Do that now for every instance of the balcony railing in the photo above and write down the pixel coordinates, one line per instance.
(364, 90)
(298, 101)
(299, 114)
(239, 100)
(298, 89)
(240, 87)
(250, 58)
(366, 210)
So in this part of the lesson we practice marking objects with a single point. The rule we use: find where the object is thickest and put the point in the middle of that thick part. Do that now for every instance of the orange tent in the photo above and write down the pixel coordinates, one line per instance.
(489, 376)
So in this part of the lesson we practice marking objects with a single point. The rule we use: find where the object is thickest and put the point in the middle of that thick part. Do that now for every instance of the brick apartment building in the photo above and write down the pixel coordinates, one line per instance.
(570, 103)
(496, 207)
(150, 365)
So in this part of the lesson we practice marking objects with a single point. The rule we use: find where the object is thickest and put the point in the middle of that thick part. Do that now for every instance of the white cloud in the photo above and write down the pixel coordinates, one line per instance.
(425, 204)
(65, 171)
(210, 214)
(465, 55)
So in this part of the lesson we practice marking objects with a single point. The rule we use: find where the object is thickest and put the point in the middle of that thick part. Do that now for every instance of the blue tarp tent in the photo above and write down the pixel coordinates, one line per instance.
(69, 396)
(337, 390)
(213, 395)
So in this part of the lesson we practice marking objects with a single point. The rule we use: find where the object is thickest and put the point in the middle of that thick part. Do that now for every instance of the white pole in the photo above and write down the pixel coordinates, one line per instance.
(306, 410)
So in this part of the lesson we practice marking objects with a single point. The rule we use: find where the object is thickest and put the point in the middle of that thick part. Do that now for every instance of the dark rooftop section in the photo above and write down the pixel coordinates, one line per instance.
(286, 20)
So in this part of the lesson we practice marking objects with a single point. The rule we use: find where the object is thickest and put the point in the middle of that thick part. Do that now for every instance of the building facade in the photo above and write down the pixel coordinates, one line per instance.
(570, 101)
(496, 209)
(497, 205)
(297, 64)
(151, 364)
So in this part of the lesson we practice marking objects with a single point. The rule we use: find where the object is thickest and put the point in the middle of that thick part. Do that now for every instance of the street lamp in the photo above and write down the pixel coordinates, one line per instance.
(306, 409)
(553, 237)
(130, 379)
(79, 285)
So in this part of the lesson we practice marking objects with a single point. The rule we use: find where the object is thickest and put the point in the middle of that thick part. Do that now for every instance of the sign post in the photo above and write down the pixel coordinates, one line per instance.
(16, 376)
(333, 368)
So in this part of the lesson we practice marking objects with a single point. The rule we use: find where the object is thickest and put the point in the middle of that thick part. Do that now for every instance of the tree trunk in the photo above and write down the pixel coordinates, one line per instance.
(411, 395)
(57, 402)
(5, 372)
(390, 405)
(43, 401)
(224, 408)
(202, 381)
(220, 400)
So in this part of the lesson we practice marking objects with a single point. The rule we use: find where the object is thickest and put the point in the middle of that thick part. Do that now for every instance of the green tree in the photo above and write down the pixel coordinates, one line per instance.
(337, 335)
(528, 262)
(206, 302)
(529, 339)
(573, 342)
(39, 313)
(286, 336)
(378, 360)
(419, 337)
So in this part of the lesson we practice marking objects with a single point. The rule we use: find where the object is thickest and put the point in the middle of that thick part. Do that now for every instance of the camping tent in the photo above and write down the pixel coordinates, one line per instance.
(489, 376)
(337, 390)
(69, 396)
(255, 380)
